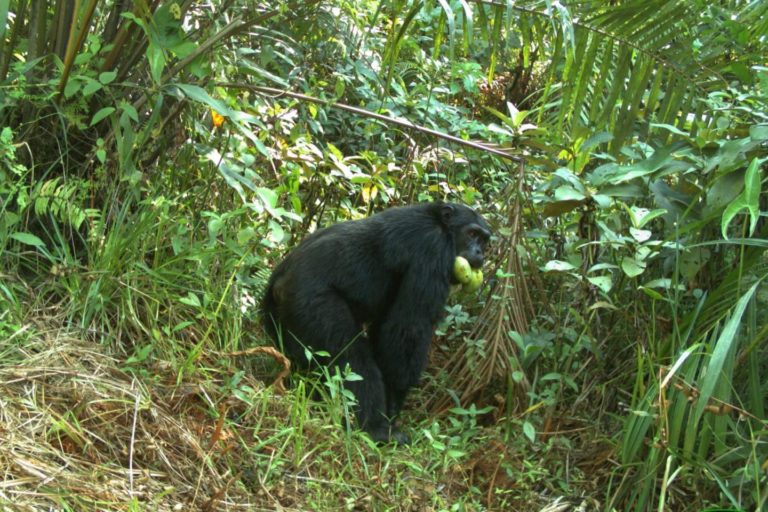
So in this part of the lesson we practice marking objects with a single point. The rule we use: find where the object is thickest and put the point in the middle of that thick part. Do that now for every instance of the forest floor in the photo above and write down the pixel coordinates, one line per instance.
(80, 430)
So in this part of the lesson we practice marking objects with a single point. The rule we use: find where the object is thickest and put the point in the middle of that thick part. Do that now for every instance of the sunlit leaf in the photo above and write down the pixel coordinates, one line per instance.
(604, 283)
(558, 266)
(632, 267)
(568, 193)
(640, 235)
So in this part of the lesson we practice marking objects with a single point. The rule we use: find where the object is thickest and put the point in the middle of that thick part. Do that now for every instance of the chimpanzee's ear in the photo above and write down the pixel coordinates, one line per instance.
(446, 213)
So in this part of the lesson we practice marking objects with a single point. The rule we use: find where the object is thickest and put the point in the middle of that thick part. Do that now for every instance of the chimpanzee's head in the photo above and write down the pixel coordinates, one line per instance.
(471, 232)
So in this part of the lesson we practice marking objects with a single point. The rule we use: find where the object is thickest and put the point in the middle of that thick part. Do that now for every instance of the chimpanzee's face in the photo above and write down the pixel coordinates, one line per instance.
(470, 231)
(471, 241)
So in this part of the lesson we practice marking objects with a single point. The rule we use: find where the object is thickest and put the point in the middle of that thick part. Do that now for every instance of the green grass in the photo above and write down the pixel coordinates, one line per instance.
(83, 431)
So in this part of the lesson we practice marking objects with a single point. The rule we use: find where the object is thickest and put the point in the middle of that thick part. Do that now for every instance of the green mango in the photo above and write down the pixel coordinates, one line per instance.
(475, 280)
(461, 270)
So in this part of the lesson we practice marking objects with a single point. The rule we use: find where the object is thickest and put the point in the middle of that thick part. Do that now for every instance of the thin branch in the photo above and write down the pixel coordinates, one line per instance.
(403, 123)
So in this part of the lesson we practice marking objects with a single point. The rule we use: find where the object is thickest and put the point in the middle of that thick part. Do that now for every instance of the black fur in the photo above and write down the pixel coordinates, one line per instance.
(389, 275)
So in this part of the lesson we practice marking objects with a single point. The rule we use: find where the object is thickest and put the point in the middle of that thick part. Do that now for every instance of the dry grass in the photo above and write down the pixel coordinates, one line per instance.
(77, 430)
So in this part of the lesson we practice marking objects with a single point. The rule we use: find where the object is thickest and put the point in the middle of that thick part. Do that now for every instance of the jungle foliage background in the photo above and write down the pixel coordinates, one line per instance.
(157, 158)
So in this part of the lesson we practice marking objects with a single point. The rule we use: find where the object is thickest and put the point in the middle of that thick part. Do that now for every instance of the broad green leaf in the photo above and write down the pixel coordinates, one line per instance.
(191, 300)
(596, 140)
(107, 77)
(568, 193)
(335, 152)
(276, 232)
(101, 114)
(28, 239)
(664, 283)
(602, 200)
(651, 293)
(660, 158)
(246, 235)
(643, 252)
(723, 191)
(183, 48)
(601, 304)
(214, 226)
(640, 235)
(601, 266)
(558, 266)
(132, 17)
(748, 200)
(529, 430)
(268, 196)
(604, 283)
(759, 132)
(156, 62)
(570, 178)
(264, 76)
(644, 216)
(73, 85)
(200, 95)
(130, 111)
(632, 267)
(260, 147)
(338, 89)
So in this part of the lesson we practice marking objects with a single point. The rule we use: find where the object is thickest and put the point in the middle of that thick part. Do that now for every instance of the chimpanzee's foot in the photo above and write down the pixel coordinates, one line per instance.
(387, 434)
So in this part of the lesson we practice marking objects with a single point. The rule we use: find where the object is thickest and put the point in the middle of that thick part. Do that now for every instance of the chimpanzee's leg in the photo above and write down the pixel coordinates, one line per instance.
(326, 323)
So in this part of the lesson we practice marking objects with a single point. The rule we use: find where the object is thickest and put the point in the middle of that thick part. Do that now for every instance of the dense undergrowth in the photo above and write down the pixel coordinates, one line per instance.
(157, 159)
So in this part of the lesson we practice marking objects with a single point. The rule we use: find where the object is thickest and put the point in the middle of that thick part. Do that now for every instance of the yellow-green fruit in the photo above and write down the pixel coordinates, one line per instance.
(475, 280)
(461, 270)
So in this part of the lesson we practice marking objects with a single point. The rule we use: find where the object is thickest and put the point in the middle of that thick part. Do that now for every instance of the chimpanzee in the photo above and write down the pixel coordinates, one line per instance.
(369, 293)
